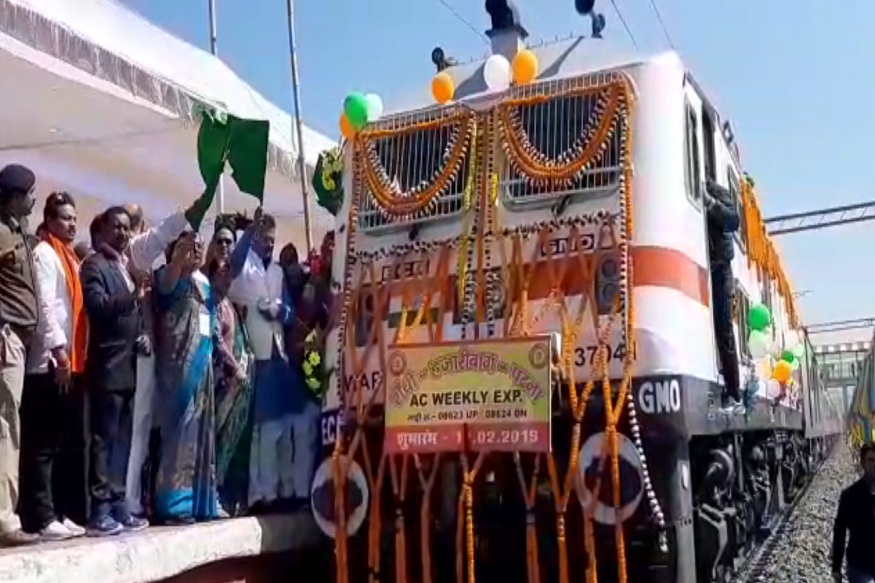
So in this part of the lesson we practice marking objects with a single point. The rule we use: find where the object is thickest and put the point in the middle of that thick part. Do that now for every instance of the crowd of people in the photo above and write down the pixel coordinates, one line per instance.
(150, 376)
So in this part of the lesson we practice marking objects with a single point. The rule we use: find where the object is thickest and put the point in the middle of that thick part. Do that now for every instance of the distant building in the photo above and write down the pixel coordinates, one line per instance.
(840, 367)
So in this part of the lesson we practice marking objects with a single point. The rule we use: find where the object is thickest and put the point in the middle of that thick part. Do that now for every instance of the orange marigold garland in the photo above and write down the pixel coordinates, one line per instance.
(615, 99)
(761, 250)
(539, 169)
(384, 188)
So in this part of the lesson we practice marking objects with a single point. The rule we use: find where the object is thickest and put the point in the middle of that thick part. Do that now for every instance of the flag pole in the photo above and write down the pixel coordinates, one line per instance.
(299, 124)
(215, 52)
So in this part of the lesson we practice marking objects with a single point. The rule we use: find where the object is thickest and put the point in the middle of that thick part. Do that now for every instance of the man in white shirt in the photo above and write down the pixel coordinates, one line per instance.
(145, 391)
(53, 404)
(260, 292)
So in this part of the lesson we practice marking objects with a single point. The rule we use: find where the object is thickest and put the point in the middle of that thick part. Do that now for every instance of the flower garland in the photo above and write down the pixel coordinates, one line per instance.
(761, 250)
(479, 237)
(540, 170)
(328, 180)
(390, 199)
(314, 371)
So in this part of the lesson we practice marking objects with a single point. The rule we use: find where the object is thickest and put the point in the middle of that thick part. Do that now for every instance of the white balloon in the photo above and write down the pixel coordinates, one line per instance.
(496, 73)
(773, 389)
(759, 345)
(375, 106)
(799, 351)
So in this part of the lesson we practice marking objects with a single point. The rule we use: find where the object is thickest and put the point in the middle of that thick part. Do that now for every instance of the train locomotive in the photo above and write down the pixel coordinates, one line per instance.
(568, 209)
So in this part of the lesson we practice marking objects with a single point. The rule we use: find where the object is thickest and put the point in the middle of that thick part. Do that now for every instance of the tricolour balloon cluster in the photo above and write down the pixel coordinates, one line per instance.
(498, 74)
(775, 361)
(359, 109)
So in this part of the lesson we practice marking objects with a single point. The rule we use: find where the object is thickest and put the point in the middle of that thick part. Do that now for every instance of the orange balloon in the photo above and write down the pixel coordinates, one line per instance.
(782, 372)
(525, 67)
(345, 128)
(442, 88)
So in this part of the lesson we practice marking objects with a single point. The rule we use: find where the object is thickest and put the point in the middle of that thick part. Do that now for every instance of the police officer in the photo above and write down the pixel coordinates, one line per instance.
(18, 321)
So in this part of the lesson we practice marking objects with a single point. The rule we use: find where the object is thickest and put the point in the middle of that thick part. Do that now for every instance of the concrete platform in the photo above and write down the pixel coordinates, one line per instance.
(216, 552)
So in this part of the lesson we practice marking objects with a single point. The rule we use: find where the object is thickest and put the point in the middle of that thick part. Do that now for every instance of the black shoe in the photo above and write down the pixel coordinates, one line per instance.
(105, 526)
(134, 524)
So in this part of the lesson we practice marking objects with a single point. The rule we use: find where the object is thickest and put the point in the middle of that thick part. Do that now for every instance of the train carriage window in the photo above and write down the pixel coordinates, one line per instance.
(692, 172)
(709, 136)
(741, 311)
(735, 190)
(767, 294)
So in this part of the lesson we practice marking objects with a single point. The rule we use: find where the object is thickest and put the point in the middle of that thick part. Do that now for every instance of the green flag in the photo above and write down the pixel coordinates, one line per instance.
(242, 142)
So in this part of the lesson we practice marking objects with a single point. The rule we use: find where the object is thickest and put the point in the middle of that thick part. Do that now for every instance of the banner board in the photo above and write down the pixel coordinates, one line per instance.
(491, 395)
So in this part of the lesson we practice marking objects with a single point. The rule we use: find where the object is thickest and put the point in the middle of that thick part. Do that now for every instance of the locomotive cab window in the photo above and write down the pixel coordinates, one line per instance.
(555, 127)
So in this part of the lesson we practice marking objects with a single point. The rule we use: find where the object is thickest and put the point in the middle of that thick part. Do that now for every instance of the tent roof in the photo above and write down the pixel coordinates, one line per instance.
(111, 42)
(99, 100)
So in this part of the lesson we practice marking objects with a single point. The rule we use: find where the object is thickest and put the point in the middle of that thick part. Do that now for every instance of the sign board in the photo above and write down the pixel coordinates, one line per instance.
(491, 395)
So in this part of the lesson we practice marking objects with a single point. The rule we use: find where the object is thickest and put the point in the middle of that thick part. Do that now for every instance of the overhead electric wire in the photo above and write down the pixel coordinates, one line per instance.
(625, 24)
(463, 20)
(662, 24)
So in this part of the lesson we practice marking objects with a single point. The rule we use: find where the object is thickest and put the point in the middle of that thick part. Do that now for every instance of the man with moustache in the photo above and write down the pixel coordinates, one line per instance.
(18, 322)
(53, 494)
(113, 302)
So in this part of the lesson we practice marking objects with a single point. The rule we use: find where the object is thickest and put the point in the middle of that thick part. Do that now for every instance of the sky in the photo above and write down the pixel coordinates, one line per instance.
(793, 77)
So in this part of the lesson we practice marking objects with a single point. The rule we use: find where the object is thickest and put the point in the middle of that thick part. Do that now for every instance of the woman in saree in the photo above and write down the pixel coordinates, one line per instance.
(186, 330)
(234, 377)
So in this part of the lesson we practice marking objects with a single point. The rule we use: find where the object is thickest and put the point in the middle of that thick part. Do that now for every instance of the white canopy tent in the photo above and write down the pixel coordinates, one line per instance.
(98, 102)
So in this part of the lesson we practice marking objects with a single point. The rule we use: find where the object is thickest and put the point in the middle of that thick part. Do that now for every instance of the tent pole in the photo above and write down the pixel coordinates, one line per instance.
(215, 52)
(299, 127)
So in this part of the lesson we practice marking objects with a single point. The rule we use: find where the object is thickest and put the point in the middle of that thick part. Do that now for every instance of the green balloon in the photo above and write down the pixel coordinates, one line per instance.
(759, 318)
(355, 106)
(788, 356)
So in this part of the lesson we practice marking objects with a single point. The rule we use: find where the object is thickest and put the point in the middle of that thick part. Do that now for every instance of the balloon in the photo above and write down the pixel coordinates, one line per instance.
(759, 317)
(782, 371)
(799, 350)
(773, 389)
(345, 129)
(788, 356)
(763, 368)
(375, 106)
(442, 88)
(525, 67)
(355, 106)
(496, 73)
(758, 344)
(796, 364)
(791, 340)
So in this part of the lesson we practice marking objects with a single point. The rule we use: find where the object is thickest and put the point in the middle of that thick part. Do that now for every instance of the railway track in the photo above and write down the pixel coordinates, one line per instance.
(757, 568)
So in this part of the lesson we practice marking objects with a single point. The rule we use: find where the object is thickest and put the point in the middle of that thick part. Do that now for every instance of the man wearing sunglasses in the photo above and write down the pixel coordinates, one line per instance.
(18, 321)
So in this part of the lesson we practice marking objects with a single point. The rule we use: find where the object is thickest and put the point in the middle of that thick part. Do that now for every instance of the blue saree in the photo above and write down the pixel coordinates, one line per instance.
(185, 327)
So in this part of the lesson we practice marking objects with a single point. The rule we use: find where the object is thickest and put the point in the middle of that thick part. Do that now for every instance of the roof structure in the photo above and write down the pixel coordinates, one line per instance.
(99, 102)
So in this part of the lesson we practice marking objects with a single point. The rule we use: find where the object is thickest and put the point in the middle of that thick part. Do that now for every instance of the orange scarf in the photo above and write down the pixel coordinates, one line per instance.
(70, 262)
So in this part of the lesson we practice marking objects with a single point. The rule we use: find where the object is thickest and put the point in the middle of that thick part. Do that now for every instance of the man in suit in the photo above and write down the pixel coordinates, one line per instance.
(112, 300)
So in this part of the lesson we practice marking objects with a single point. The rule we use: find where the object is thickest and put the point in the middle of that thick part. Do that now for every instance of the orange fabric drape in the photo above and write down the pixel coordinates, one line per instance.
(79, 340)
